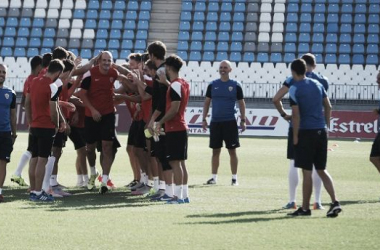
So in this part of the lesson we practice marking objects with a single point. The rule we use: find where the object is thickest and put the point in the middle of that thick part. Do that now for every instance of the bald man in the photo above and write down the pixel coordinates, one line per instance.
(223, 93)
(7, 125)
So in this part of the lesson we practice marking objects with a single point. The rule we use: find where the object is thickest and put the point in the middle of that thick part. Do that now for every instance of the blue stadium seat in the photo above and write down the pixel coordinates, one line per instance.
(292, 17)
(6, 52)
(248, 57)
(220, 56)
(184, 26)
(332, 38)
(291, 27)
(195, 46)
(142, 35)
(195, 56)
(183, 36)
(374, 8)
(224, 26)
(359, 28)
(238, 26)
(276, 57)
(79, 14)
(124, 53)
(330, 59)
(35, 42)
(210, 36)
(32, 52)
(225, 17)
(373, 39)
(319, 58)
(186, 16)
(103, 24)
(235, 57)
(116, 24)
(226, 7)
(10, 32)
(347, 8)
(223, 36)
(211, 26)
(197, 36)
(115, 53)
(87, 44)
(128, 34)
(208, 56)
(113, 44)
(332, 28)
(318, 28)
(198, 26)
(293, 8)
(222, 46)
(291, 37)
(38, 22)
(360, 18)
(238, 17)
(90, 24)
(303, 48)
(344, 48)
(239, 7)
(25, 22)
(320, 8)
(187, 6)
(209, 46)
(333, 8)
(372, 49)
(127, 44)
(19, 52)
(131, 15)
(146, 6)
(317, 48)
(199, 16)
(374, 19)
(344, 59)
(359, 38)
(304, 37)
(22, 32)
(94, 4)
(318, 38)
(200, 6)
(36, 32)
(346, 28)
(119, 5)
(331, 48)
(47, 43)
(8, 41)
(213, 6)
(21, 42)
(100, 44)
(104, 14)
(358, 49)
(118, 15)
(183, 55)
(140, 44)
(332, 18)
(262, 57)
(92, 14)
(305, 17)
(12, 22)
(305, 27)
(345, 38)
(319, 18)
(129, 25)
(237, 37)
(290, 48)
(358, 59)
(133, 5)
(212, 16)
(306, 8)
(346, 18)
(115, 34)
(361, 8)
(101, 34)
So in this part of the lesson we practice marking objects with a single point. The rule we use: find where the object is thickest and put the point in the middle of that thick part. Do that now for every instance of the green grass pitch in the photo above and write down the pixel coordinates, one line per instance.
(219, 217)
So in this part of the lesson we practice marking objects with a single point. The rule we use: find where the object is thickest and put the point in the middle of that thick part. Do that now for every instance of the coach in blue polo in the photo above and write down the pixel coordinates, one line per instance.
(223, 94)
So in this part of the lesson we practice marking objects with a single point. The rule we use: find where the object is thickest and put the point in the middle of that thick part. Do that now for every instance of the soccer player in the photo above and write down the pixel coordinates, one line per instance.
(176, 128)
(36, 67)
(8, 133)
(97, 92)
(223, 94)
(375, 151)
(42, 113)
(308, 99)
(293, 171)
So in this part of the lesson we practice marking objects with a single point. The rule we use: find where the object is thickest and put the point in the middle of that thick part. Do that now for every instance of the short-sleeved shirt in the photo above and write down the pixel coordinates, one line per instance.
(7, 102)
(308, 95)
(146, 106)
(100, 90)
(159, 94)
(320, 78)
(27, 84)
(179, 90)
(42, 90)
(224, 96)
(43, 72)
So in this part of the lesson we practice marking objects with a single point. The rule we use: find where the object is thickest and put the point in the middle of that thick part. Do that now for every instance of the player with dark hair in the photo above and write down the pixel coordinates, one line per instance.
(176, 128)
(308, 98)
(36, 67)
(42, 113)
(8, 133)
(60, 53)
(224, 93)
(46, 59)
(293, 171)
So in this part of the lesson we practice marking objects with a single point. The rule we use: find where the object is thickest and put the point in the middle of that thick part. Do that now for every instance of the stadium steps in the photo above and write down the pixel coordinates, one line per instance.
(164, 23)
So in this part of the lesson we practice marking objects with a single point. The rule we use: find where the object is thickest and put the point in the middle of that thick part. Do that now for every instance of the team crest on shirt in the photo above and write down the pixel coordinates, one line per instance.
(230, 88)
(6, 96)
(111, 79)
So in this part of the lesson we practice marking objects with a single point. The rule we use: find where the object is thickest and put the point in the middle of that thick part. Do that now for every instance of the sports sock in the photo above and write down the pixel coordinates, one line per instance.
(93, 170)
(54, 180)
(234, 177)
(150, 183)
(215, 177)
(178, 191)
(162, 185)
(48, 170)
(25, 158)
(105, 179)
(38, 193)
(293, 181)
(142, 177)
(317, 183)
(185, 191)
(156, 183)
(146, 179)
(79, 179)
(169, 190)
(85, 179)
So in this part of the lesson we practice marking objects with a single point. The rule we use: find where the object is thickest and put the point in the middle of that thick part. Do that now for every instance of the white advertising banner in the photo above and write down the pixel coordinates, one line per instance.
(260, 122)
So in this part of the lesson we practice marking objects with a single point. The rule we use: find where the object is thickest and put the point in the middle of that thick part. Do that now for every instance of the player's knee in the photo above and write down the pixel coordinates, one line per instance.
(216, 152)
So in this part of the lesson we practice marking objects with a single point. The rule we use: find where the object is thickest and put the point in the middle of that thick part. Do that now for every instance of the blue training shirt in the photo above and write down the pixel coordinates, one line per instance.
(308, 95)
(224, 96)
(7, 102)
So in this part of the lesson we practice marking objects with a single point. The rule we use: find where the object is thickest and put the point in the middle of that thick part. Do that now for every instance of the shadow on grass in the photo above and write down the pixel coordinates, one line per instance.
(236, 214)
(83, 200)
(358, 202)
(245, 220)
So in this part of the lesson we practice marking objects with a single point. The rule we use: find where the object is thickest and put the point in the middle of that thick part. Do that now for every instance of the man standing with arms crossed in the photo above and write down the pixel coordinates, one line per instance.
(308, 98)
(7, 126)
(224, 93)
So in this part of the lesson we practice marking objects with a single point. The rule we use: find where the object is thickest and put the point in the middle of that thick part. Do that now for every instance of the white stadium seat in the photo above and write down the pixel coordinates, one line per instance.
(265, 17)
(29, 4)
(14, 4)
(279, 8)
(278, 27)
(264, 27)
(266, 8)
(68, 4)
(55, 4)
(77, 24)
(76, 33)
(89, 34)
(64, 24)
(41, 4)
(52, 13)
(66, 14)
(80, 5)
(263, 38)
(40, 13)
(4, 4)
(279, 18)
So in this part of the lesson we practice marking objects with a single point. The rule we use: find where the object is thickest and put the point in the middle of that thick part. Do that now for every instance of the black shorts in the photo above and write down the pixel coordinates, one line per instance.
(290, 150)
(224, 131)
(104, 130)
(158, 147)
(132, 133)
(176, 146)
(375, 151)
(116, 144)
(6, 146)
(311, 149)
(29, 143)
(42, 141)
(77, 137)
(60, 140)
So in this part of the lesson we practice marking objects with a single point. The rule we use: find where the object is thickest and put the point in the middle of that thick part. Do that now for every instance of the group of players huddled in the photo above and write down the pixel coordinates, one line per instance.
(63, 98)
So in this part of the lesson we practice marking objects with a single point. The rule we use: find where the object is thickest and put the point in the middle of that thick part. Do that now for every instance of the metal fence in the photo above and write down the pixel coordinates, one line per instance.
(358, 94)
